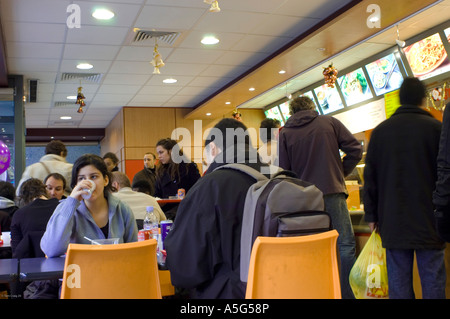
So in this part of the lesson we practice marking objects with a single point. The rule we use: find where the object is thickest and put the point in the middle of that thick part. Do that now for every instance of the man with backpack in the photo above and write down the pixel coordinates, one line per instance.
(203, 247)
(309, 145)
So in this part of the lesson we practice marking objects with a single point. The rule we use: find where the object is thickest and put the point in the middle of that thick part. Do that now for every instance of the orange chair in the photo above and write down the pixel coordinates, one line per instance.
(302, 267)
(111, 271)
(167, 289)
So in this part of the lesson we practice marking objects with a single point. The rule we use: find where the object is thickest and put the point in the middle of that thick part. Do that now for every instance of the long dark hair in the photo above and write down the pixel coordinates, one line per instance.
(171, 168)
(98, 163)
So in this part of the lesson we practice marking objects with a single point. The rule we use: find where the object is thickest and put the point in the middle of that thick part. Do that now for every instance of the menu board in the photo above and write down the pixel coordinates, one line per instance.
(385, 74)
(447, 34)
(329, 99)
(284, 107)
(274, 113)
(354, 87)
(427, 57)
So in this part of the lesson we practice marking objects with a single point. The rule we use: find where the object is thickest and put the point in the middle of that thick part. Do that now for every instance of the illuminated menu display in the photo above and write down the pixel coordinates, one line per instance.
(354, 87)
(329, 99)
(274, 113)
(385, 74)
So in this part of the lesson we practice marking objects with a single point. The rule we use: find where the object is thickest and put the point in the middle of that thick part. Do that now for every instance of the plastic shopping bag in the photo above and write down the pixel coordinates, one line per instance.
(368, 277)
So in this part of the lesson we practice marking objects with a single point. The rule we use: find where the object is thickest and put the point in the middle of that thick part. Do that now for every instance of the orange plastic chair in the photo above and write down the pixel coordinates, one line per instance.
(167, 289)
(302, 267)
(119, 271)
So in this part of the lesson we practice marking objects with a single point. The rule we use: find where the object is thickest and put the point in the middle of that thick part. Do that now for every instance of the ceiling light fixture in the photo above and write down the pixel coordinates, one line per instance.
(84, 66)
(170, 81)
(208, 114)
(103, 14)
(251, 89)
(66, 117)
(72, 97)
(282, 72)
(209, 40)
(227, 103)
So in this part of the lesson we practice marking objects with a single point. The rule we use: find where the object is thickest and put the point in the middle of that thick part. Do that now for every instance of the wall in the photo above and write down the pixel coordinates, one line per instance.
(136, 130)
(34, 153)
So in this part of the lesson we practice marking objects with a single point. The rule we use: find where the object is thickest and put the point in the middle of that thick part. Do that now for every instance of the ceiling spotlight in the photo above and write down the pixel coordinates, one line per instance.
(209, 40)
(227, 103)
(66, 117)
(282, 72)
(399, 42)
(170, 81)
(84, 66)
(251, 89)
(72, 97)
(103, 14)
(208, 114)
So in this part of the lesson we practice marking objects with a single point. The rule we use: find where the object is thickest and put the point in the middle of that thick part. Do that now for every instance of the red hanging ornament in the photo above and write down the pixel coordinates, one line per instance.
(330, 74)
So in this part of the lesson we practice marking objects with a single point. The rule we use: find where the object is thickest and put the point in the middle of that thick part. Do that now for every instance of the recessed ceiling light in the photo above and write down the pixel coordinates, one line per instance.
(66, 117)
(209, 40)
(72, 97)
(251, 89)
(170, 81)
(282, 72)
(227, 102)
(84, 66)
(208, 114)
(103, 14)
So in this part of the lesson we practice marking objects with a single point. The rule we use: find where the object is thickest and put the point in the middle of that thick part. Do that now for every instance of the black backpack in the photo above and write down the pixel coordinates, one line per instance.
(280, 206)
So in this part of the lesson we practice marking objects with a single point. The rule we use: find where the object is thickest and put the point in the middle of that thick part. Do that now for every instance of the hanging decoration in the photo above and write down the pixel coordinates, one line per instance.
(157, 61)
(330, 74)
(80, 100)
(214, 5)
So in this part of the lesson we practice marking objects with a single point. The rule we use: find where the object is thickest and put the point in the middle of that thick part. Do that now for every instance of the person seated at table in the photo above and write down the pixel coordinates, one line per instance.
(98, 217)
(111, 161)
(56, 184)
(137, 201)
(174, 171)
(142, 186)
(31, 219)
(7, 205)
(203, 247)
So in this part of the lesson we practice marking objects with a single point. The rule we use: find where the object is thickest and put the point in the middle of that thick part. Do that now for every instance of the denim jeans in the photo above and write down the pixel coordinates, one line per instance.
(431, 266)
(336, 206)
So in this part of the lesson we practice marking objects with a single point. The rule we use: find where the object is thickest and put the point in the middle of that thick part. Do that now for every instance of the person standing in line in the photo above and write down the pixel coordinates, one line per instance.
(54, 161)
(309, 145)
(268, 132)
(399, 179)
(148, 173)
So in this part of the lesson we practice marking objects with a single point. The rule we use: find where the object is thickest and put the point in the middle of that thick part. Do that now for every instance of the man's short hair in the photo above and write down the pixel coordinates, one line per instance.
(412, 92)
(265, 129)
(142, 186)
(121, 178)
(222, 126)
(56, 176)
(56, 147)
(150, 153)
(301, 103)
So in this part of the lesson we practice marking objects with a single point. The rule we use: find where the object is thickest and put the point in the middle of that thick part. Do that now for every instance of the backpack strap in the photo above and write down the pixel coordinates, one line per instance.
(271, 169)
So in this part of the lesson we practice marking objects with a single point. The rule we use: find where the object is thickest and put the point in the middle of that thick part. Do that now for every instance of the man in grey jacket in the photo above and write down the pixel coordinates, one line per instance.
(309, 145)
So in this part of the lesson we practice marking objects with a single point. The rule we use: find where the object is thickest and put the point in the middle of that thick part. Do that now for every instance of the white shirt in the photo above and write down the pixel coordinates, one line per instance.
(138, 203)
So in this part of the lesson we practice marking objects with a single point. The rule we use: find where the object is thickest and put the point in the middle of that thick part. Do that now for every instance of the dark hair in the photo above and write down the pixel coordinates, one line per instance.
(7, 190)
(150, 153)
(222, 126)
(56, 176)
(112, 157)
(172, 168)
(142, 186)
(301, 103)
(56, 147)
(31, 189)
(412, 92)
(265, 129)
(97, 162)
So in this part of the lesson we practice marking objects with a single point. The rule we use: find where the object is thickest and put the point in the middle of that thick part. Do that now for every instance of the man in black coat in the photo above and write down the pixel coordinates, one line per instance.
(399, 179)
(203, 247)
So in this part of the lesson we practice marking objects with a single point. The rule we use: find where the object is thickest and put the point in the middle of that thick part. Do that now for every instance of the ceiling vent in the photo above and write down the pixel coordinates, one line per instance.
(85, 77)
(64, 123)
(139, 36)
(60, 104)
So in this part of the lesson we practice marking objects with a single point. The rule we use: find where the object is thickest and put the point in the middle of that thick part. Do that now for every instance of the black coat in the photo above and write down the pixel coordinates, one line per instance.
(203, 247)
(399, 179)
(166, 186)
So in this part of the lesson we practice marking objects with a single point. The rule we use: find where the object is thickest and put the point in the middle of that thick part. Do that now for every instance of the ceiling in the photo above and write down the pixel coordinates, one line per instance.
(255, 36)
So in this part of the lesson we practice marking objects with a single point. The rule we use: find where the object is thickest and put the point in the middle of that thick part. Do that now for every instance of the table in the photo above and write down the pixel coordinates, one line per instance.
(8, 270)
(168, 201)
(41, 268)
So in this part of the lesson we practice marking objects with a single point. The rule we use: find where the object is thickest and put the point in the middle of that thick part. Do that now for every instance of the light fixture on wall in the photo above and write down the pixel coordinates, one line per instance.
(157, 61)
(214, 5)
(399, 42)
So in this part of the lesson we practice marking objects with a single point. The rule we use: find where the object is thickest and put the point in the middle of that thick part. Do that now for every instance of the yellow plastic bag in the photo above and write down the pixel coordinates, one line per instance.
(368, 277)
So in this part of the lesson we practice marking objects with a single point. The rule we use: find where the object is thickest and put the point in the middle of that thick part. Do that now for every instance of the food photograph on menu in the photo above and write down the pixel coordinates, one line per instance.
(329, 99)
(274, 113)
(427, 57)
(284, 107)
(385, 74)
(354, 87)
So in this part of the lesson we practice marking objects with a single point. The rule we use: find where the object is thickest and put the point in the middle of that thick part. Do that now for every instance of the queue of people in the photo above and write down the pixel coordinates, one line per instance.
(403, 185)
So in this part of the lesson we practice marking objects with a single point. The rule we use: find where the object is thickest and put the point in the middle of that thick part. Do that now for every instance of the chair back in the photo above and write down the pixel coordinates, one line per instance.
(118, 271)
(302, 267)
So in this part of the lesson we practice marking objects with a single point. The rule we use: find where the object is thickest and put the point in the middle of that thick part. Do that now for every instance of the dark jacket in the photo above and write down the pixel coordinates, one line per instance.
(309, 145)
(147, 175)
(399, 179)
(441, 195)
(166, 186)
(203, 247)
(32, 217)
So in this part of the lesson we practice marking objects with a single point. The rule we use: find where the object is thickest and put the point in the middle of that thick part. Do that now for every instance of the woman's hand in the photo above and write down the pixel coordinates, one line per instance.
(80, 189)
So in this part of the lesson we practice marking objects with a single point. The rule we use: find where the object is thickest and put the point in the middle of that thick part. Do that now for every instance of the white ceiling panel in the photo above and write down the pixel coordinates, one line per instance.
(90, 52)
(168, 18)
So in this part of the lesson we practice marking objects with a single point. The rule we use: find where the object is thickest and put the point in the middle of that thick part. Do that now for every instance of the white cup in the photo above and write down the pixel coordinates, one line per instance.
(89, 190)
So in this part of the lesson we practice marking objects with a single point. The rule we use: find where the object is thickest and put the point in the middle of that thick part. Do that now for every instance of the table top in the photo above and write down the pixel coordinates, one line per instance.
(167, 201)
(41, 268)
(8, 269)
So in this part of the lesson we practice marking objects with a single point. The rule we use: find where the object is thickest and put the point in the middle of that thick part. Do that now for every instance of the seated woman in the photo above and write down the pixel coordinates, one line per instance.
(31, 220)
(101, 216)
(172, 175)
